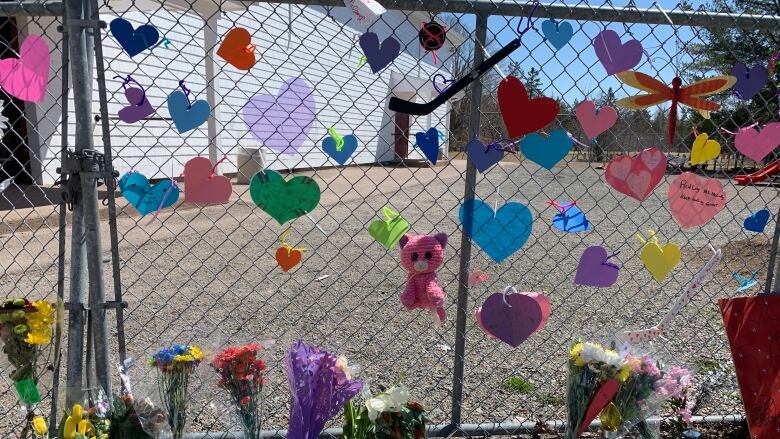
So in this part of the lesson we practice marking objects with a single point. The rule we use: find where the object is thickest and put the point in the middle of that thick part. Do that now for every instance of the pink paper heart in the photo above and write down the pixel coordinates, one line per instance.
(595, 122)
(600, 400)
(512, 318)
(26, 77)
(695, 201)
(758, 144)
(201, 186)
(637, 176)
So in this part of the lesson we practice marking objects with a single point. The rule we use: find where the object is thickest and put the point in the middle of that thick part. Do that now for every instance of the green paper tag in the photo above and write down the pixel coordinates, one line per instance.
(28, 391)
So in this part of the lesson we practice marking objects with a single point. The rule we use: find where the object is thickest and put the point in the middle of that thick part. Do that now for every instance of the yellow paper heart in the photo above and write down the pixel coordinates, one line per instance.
(704, 149)
(660, 261)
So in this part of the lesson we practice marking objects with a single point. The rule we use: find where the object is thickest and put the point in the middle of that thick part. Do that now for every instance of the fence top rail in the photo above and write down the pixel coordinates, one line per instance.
(31, 8)
(627, 14)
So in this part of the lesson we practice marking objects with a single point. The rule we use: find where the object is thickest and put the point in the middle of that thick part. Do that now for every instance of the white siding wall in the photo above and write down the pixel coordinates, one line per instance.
(321, 50)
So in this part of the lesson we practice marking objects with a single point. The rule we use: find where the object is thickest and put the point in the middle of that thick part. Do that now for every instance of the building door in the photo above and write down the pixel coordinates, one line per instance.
(14, 152)
(401, 135)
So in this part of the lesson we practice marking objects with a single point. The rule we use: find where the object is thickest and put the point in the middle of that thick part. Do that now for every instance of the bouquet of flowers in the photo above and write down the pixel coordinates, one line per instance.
(175, 365)
(89, 424)
(590, 367)
(241, 373)
(320, 385)
(25, 327)
(388, 415)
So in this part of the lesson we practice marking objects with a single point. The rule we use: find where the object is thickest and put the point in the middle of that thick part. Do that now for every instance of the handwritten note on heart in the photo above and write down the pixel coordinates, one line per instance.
(147, 198)
(637, 176)
(26, 77)
(757, 144)
(595, 121)
(704, 149)
(202, 186)
(522, 115)
(237, 49)
(595, 270)
(283, 199)
(546, 152)
(695, 201)
(512, 317)
(615, 56)
(498, 233)
(133, 41)
(282, 122)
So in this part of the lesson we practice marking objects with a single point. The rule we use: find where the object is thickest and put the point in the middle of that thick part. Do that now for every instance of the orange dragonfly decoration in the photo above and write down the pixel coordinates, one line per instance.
(658, 93)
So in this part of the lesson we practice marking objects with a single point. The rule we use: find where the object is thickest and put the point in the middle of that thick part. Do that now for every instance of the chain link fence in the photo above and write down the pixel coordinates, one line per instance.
(206, 274)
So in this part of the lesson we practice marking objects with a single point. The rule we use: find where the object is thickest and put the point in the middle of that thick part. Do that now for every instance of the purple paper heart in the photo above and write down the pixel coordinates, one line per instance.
(443, 79)
(483, 156)
(512, 318)
(139, 108)
(282, 122)
(615, 56)
(594, 270)
(379, 56)
(749, 82)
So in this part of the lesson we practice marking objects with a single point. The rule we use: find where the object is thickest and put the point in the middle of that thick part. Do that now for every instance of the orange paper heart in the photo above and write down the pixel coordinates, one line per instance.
(237, 49)
(288, 257)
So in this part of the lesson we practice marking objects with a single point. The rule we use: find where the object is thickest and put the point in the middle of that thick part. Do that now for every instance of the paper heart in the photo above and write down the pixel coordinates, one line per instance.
(704, 149)
(660, 261)
(483, 157)
(757, 221)
(512, 318)
(237, 50)
(341, 156)
(443, 79)
(26, 77)
(282, 122)
(749, 82)
(133, 41)
(187, 116)
(145, 197)
(288, 257)
(637, 176)
(202, 186)
(428, 142)
(572, 219)
(615, 56)
(593, 121)
(546, 152)
(476, 278)
(522, 115)
(695, 201)
(498, 233)
(600, 400)
(139, 108)
(595, 270)
(389, 231)
(283, 199)
(757, 144)
(558, 33)
(379, 56)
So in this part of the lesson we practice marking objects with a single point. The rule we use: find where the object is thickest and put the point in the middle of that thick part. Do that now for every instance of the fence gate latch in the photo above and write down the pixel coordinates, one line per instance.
(87, 163)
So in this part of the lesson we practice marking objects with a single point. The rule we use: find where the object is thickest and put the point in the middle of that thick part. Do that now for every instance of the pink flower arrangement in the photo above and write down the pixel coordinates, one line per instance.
(242, 373)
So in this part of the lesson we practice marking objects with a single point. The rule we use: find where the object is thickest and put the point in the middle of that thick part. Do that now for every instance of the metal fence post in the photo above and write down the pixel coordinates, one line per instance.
(465, 242)
(773, 265)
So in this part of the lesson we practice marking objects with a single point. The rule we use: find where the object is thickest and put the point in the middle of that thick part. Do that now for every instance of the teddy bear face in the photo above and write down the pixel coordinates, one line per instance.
(422, 253)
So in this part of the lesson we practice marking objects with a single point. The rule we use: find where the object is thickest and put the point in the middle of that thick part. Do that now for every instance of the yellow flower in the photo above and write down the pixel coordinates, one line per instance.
(196, 352)
(624, 372)
(183, 358)
(575, 351)
(69, 431)
(77, 413)
(86, 428)
(39, 426)
(39, 323)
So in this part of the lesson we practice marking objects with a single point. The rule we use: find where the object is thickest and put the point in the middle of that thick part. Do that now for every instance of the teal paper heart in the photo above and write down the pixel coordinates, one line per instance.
(546, 152)
(187, 117)
(499, 234)
(145, 197)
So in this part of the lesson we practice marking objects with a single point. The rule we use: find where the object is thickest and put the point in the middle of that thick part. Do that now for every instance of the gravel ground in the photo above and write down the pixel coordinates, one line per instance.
(207, 275)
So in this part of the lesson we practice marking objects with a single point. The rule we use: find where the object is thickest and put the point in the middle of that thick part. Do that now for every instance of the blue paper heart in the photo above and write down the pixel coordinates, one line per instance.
(184, 118)
(757, 221)
(546, 152)
(428, 142)
(145, 197)
(350, 145)
(134, 41)
(558, 33)
(499, 234)
(572, 220)
(482, 156)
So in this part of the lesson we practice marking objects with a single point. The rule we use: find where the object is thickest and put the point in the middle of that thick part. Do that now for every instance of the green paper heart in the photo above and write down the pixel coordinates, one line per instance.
(389, 231)
(283, 199)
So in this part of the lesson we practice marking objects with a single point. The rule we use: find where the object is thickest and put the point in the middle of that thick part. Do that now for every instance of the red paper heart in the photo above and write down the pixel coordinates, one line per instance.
(201, 186)
(521, 115)
(288, 257)
(600, 400)
(237, 49)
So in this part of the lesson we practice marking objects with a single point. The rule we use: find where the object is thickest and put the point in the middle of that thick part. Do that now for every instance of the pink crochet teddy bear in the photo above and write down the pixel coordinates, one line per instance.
(421, 255)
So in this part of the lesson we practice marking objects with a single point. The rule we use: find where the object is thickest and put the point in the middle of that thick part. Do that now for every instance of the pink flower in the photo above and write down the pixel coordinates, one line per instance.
(244, 401)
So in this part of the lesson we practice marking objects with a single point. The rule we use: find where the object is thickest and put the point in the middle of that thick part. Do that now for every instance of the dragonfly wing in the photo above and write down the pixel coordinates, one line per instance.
(708, 86)
(699, 103)
(643, 101)
(643, 82)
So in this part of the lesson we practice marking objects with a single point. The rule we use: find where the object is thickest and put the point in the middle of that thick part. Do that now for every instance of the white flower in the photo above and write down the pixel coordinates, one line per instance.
(391, 401)
(348, 370)
(595, 353)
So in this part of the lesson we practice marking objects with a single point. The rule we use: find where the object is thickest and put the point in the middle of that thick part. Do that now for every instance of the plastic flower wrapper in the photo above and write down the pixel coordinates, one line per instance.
(395, 415)
(242, 373)
(134, 415)
(320, 385)
(25, 329)
(175, 366)
(590, 366)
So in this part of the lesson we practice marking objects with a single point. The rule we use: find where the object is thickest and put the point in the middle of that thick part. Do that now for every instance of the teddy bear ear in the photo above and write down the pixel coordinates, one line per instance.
(442, 238)
(404, 239)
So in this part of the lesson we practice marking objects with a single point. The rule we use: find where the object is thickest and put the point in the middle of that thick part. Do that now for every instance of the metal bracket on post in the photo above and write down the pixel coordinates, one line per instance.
(88, 163)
